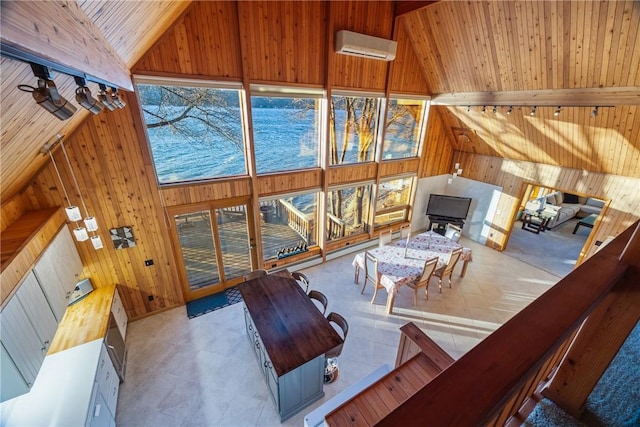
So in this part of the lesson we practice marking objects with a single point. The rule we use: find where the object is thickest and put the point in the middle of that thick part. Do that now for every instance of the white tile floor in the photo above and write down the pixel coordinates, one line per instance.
(203, 372)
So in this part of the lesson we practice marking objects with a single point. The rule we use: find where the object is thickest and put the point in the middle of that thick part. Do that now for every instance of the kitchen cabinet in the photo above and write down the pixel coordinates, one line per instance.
(105, 393)
(27, 325)
(58, 271)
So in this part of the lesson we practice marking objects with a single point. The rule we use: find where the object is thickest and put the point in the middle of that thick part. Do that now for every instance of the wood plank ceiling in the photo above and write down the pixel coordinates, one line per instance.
(576, 55)
(129, 27)
(504, 48)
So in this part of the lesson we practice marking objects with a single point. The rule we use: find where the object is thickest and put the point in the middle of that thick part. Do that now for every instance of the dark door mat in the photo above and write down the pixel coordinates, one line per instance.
(213, 302)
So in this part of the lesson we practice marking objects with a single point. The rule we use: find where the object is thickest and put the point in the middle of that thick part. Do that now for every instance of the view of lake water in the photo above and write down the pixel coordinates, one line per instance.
(284, 140)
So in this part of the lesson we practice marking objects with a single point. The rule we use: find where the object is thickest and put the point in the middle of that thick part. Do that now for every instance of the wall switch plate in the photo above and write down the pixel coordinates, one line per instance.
(148, 262)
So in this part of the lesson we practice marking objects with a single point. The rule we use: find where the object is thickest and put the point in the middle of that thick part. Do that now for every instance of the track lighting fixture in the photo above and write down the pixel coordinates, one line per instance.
(484, 108)
(468, 108)
(557, 112)
(84, 98)
(509, 109)
(495, 109)
(47, 95)
(533, 111)
(116, 98)
(105, 97)
(594, 112)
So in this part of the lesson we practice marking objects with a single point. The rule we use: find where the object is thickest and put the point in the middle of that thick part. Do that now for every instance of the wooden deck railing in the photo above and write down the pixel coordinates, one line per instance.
(491, 383)
(299, 221)
(335, 227)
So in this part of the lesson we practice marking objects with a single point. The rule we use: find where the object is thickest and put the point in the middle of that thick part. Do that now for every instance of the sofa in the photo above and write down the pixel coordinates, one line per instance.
(570, 206)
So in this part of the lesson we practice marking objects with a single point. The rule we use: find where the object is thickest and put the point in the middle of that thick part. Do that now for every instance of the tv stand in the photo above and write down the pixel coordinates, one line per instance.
(439, 223)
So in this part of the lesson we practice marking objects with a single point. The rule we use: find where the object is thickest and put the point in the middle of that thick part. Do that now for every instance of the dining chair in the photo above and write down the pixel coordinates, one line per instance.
(423, 281)
(405, 231)
(384, 238)
(447, 270)
(371, 274)
(302, 279)
(331, 356)
(255, 274)
(453, 232)
(321, 298)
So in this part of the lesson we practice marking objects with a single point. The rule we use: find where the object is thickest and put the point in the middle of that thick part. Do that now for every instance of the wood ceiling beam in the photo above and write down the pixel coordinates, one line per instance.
(587, 97)
(404, 7)
(59, 32)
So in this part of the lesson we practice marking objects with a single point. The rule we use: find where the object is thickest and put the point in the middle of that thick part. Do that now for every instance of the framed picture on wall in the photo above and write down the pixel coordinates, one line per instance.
(122, 237)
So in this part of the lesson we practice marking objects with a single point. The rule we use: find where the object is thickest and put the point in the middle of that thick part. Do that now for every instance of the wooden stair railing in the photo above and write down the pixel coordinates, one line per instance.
(419, 360)
(492, 382)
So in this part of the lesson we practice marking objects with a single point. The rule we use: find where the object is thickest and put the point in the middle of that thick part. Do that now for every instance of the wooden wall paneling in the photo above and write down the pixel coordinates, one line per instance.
(187, 194)
(13, 209)
(289, 182)
(204, 41)
(397, 167)
(337, 175)
(436, 151)
(286, 39)
(405, 73)
(374, 18)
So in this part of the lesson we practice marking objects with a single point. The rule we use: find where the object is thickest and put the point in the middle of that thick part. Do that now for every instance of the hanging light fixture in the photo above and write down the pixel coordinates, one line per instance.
(84, 98)
(456, 172)
(73, 212)
(46, 94)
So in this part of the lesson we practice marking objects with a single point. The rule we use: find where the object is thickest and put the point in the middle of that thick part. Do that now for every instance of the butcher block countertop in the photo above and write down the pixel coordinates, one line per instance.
(292, 329)
(84, 321)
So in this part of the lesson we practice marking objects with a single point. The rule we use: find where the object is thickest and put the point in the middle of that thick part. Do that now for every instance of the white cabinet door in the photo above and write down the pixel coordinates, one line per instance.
(13, 384)
(27, 326)
(58, 271)
(100, 415)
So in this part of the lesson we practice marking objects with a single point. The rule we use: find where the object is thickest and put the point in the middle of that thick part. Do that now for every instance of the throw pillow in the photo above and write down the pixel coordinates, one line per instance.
(571, 198)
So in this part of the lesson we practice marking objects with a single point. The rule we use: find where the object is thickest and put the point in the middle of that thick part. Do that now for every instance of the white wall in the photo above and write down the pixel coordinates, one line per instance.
(484, 199)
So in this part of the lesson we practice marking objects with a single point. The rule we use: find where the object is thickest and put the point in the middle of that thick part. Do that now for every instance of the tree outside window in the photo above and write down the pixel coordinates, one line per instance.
(354, 210)
(404, 128)
(393, 200)
(195, 132)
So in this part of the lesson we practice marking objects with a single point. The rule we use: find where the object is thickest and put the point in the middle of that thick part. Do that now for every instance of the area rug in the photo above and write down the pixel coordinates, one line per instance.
(213, 302)
(615, 400)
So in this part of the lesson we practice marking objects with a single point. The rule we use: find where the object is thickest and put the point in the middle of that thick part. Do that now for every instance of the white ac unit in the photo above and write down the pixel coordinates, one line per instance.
(364, 46)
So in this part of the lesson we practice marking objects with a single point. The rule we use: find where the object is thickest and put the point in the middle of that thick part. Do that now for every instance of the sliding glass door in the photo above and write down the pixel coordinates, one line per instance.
(214, 247)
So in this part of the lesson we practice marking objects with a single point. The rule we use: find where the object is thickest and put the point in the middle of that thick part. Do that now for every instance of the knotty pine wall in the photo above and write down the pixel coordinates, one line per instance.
(214, 40)
(621, 191)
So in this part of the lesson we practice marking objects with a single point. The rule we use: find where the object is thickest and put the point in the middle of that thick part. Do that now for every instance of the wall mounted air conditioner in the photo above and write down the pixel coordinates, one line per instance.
(364, 46)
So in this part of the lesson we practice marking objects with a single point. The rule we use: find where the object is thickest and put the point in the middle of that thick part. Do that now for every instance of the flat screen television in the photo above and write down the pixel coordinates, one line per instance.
(448, 206)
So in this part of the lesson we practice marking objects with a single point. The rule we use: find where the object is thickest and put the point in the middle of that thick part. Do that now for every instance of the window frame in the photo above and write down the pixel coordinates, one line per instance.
(422, 132)
(368, 213)
(393, 209)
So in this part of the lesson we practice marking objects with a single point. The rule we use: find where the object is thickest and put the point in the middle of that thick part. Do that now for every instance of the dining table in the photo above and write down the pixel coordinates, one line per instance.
(401, 262)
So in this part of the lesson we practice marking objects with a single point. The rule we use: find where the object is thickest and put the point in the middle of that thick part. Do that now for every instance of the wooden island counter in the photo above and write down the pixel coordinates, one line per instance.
(290, 336)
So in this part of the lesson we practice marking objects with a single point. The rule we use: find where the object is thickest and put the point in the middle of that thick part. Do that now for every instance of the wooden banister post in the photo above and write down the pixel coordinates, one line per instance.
(599, 338)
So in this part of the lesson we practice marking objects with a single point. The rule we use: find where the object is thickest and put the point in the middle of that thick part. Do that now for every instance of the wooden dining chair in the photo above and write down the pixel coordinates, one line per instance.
(453, 232)
(321, 298)
(371, 274)
(302, 279)
(447, 270)
(423, 281)
(255, 274)
(384, 238)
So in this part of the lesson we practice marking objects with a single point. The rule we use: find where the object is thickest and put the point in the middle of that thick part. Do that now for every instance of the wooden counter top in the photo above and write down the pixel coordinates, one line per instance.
(84, 321)
(292, 329)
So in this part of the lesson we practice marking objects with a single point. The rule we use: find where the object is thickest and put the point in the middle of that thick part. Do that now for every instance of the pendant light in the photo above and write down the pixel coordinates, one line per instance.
(89, 221)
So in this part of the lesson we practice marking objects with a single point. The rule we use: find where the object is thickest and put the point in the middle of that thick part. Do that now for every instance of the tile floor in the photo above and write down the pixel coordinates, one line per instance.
(203, 371)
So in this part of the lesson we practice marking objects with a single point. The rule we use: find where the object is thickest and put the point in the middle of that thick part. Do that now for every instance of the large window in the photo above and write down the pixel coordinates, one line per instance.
(353, 128)
(393, 200)
(195, 131)
(404, 130)
(288, 223)
(286, 129)
(348, 210)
